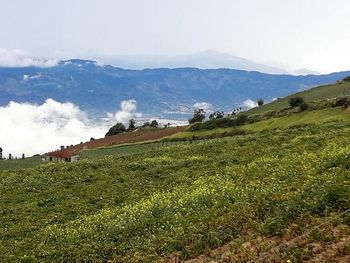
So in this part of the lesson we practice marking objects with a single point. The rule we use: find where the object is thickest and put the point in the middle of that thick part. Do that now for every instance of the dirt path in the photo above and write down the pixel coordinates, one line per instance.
(324, 243)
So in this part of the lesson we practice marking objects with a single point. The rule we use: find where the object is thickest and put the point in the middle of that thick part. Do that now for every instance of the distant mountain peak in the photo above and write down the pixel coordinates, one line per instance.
(305, 71)
(78, 62)
(207, 59)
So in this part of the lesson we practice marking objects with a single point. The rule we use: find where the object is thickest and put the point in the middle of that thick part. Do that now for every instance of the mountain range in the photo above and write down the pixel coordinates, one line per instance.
(161, 92)
(208, 59)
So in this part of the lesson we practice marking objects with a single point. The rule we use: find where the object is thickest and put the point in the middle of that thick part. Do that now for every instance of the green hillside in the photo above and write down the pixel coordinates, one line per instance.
(178, 201)
(30, 162)
(301, 118)
(274, 189)
(315, 94)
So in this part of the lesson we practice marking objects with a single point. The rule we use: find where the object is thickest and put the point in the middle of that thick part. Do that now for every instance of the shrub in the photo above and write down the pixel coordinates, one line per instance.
(254, 118)
(344, 101)
(241, 119)
(346, 79)
(304, 106)
(296, 101)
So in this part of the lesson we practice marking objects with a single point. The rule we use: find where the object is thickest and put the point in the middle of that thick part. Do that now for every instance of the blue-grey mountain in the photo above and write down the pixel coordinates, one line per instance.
(162, 92)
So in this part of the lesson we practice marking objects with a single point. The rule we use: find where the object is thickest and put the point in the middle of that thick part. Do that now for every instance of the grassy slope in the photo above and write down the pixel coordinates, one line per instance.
(301, 118)
(20, 164)
(122, 150)
(181, 198)
(314, 94)
(306, 117)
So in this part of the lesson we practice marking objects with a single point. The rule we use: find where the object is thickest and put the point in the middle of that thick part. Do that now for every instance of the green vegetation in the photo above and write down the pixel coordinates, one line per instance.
(296, 101)
(20, 163)
(176, 199)
(116, 129)
(198, 116)
(123, 149)
(266, 176)
(315, 94)
(209, 130)
(216, 115)
(346, 79)
(301, 118)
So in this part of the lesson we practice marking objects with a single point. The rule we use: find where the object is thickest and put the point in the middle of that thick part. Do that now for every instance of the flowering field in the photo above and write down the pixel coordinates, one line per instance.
(178, 200)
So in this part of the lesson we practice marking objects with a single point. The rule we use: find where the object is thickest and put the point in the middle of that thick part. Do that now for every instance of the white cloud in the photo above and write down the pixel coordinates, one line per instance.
(21, 58)
(28, 77)
(206, 106)
(127, 111)
(250, 104)
(32, 129)
(37, 129)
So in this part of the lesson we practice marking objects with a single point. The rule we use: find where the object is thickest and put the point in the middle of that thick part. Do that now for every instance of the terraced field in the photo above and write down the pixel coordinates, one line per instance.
(244, 195)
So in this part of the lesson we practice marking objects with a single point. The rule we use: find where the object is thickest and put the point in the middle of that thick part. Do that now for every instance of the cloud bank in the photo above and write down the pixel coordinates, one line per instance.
(21, 58)
(206, 106)
(127, 111)
(249, 104)
(36, 129)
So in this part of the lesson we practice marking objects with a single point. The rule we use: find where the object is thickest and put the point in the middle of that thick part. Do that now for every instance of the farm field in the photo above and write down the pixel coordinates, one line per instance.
(30, 162)
(124, 149)
(181, 201)
(126, 138)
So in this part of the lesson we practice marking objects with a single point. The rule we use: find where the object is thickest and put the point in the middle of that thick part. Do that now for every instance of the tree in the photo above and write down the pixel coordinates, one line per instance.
(260, 102)
(146, 124)
(154, 124)
(296, 101)
(198, 116)
(118, 128)
(346, 79)
(216, 115)
(132, 126)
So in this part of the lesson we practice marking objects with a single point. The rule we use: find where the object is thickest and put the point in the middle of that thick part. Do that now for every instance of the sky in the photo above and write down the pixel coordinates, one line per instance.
(290, 34)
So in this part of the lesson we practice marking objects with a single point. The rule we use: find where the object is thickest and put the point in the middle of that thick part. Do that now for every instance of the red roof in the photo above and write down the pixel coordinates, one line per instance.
(61, 154)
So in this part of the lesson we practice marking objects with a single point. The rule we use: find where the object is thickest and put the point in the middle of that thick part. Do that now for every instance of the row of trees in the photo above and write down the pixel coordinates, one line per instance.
(120, 128)
(199, 114)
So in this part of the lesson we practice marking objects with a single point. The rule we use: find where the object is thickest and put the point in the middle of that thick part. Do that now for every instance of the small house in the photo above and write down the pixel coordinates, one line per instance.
(61, 156)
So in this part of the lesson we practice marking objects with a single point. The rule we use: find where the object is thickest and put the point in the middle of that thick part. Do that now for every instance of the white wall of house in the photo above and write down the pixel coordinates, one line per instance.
(48, 158)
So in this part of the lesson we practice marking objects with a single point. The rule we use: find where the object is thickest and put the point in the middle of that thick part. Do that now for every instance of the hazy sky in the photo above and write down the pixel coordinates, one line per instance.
(294, 33)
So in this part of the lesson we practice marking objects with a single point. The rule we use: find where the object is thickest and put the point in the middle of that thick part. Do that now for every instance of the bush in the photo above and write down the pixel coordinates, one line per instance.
(241, 119)
(346, 79)
(304, 106)
(254, 118)
(342, 102)
(296, 101)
